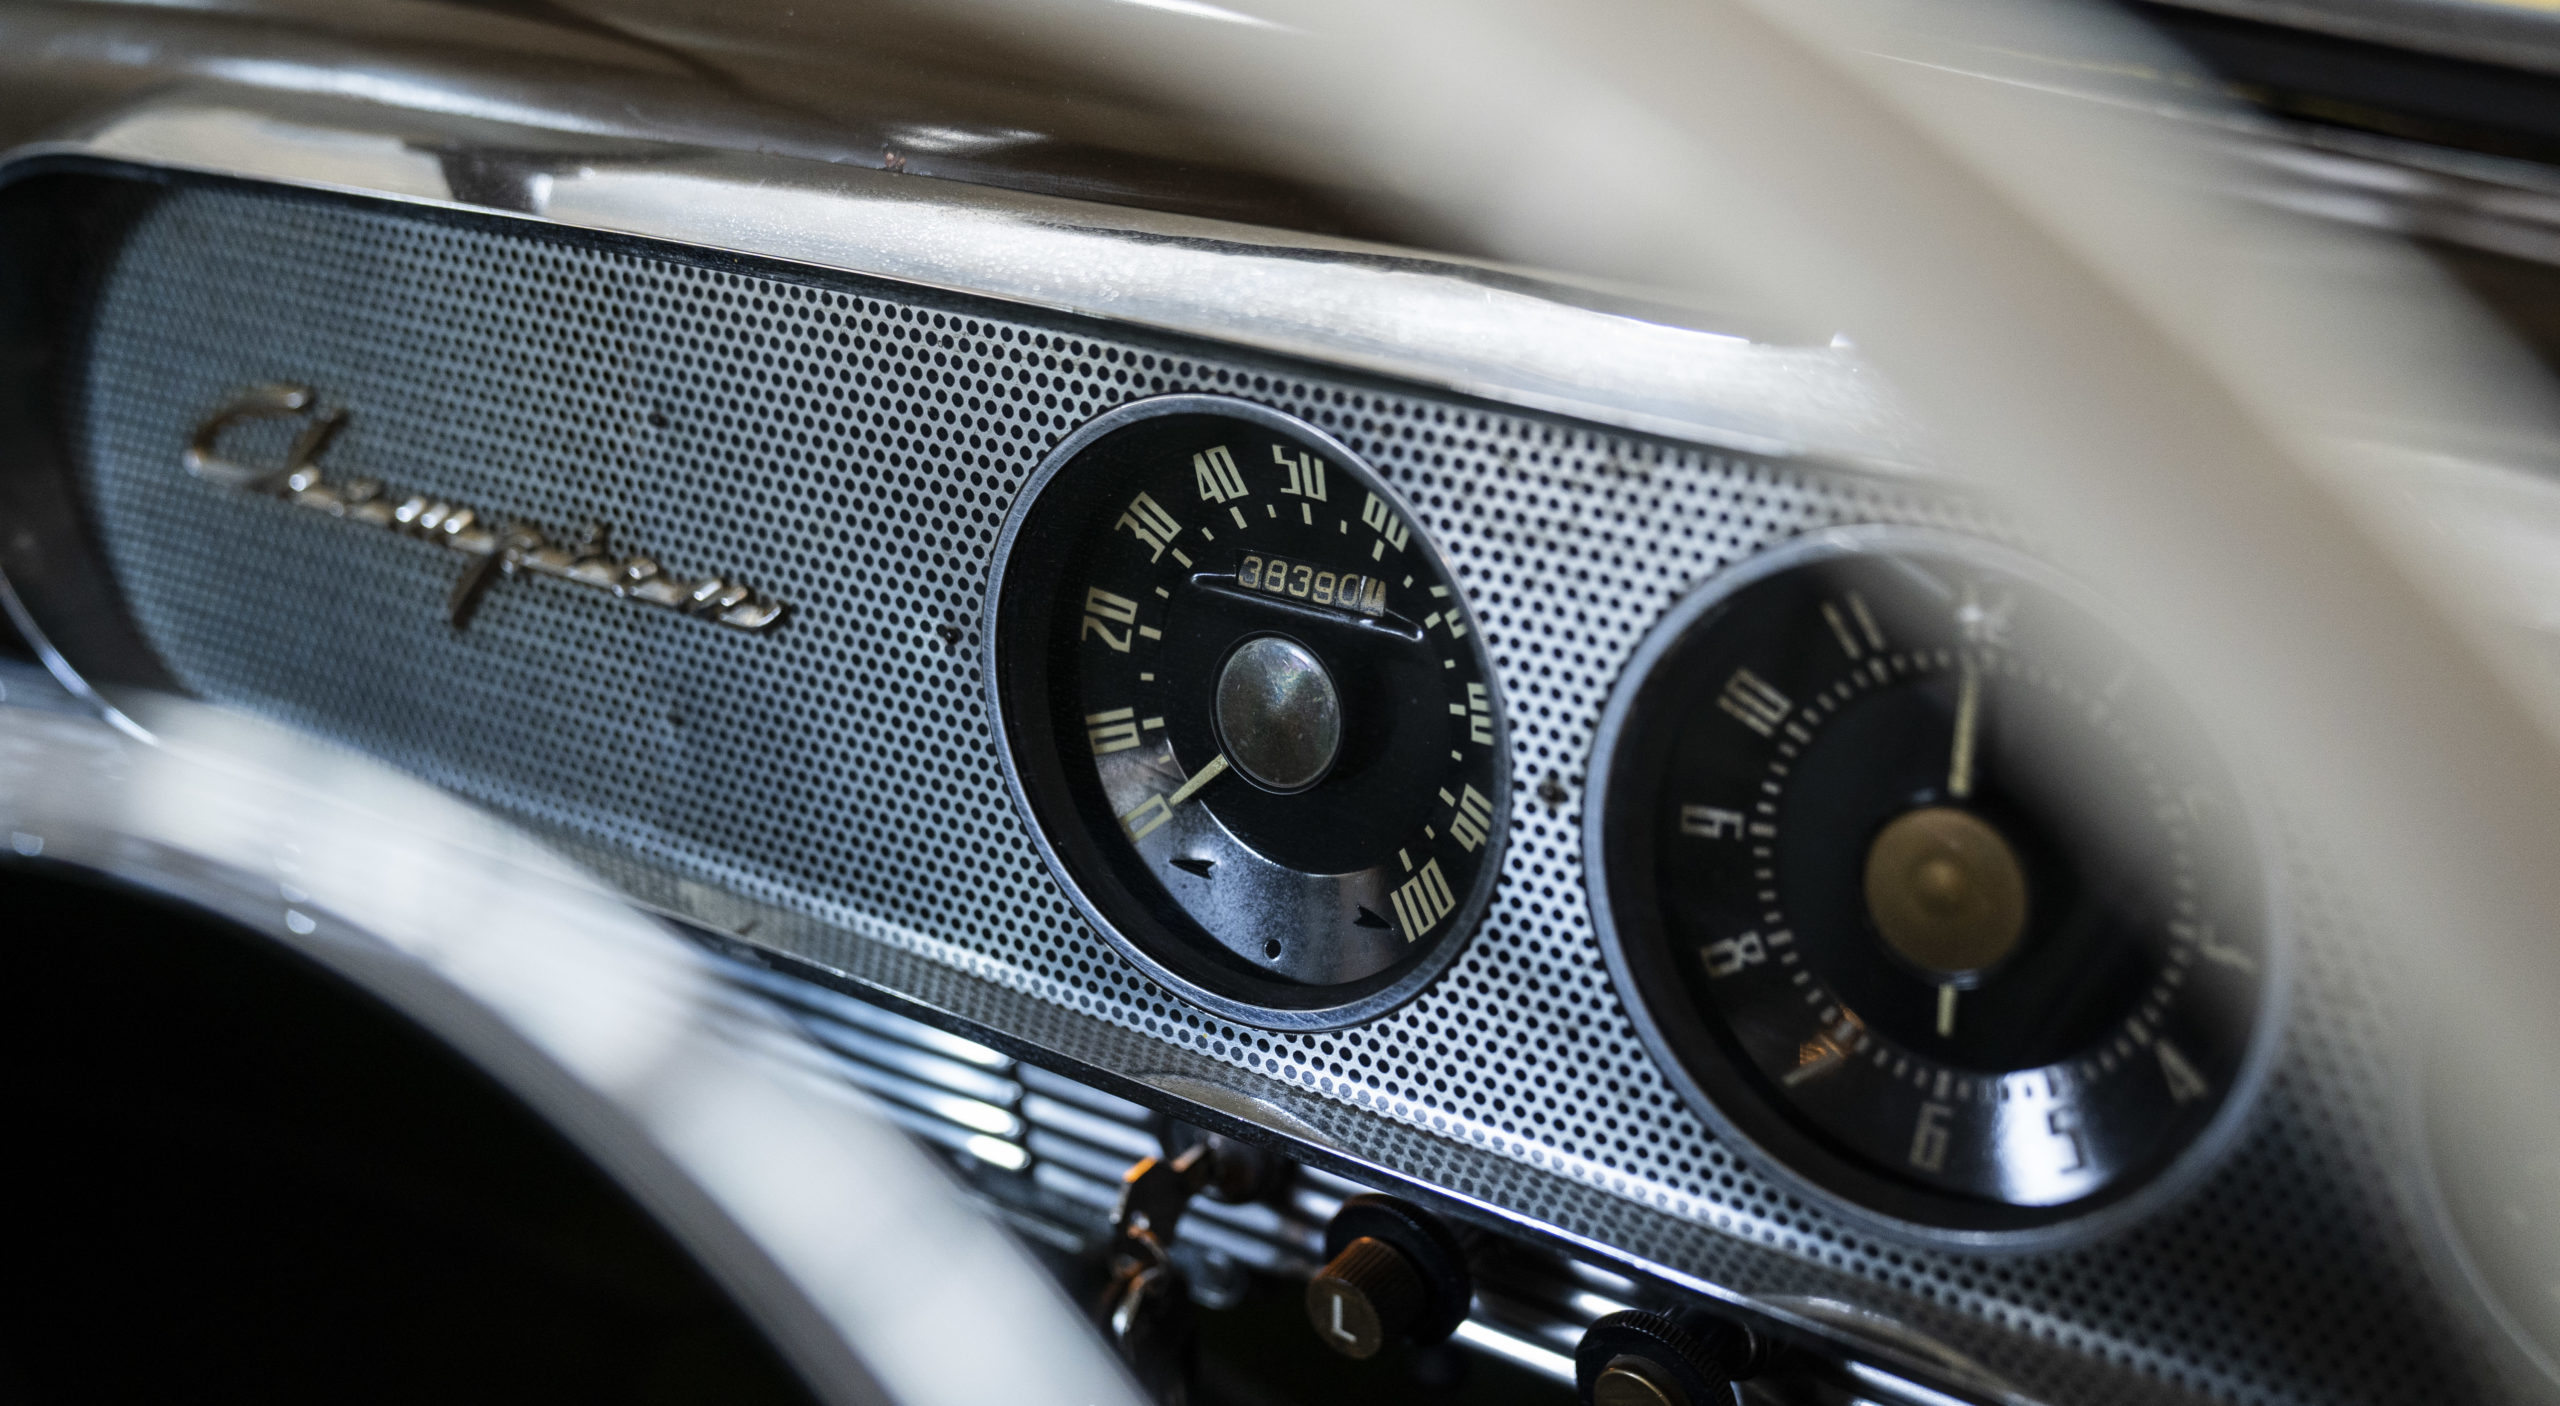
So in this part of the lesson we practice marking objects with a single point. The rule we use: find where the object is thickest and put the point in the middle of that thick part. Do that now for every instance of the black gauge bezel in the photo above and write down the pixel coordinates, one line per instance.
(1695, 1059)
(1016, 633)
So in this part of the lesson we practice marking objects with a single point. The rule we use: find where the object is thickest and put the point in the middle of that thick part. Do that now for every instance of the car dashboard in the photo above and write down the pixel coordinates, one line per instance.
(871, 571)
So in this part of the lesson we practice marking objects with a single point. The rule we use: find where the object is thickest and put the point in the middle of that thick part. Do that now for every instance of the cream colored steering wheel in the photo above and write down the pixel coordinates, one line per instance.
(2213, 415)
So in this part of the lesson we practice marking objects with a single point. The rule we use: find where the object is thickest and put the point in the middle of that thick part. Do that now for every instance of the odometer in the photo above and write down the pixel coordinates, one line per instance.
(1247, 712)
(1927, 892)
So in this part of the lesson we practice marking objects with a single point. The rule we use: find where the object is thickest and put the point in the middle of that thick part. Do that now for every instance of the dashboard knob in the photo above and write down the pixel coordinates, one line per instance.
(1394, 1272)
(1651, 1359)
(1370, 1293)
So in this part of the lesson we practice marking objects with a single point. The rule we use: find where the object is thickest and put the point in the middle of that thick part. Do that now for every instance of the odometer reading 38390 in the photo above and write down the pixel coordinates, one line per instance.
(1248, 712)
(1928, 892)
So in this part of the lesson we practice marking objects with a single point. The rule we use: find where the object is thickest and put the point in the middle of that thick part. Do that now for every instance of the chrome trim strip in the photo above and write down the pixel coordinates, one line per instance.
(1475, 328)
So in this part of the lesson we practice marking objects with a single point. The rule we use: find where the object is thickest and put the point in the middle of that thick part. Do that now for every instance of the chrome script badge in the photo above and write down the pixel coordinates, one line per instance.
(507, 548)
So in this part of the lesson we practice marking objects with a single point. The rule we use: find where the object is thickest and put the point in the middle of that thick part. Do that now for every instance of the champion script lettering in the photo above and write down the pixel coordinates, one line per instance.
(497, 548)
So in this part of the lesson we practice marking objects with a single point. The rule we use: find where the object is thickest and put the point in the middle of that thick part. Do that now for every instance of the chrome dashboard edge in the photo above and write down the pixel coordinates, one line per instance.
(1903, 1339)
(1478, 329)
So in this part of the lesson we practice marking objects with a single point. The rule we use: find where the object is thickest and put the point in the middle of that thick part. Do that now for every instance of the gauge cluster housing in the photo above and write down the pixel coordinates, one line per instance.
(865, 428)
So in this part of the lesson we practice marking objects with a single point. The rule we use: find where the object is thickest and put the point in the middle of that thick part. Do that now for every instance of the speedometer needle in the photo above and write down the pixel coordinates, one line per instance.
(1200, 778)
(1154, 811)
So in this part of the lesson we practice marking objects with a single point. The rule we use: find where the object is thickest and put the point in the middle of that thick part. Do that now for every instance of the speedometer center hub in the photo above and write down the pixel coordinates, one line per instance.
(1279, 716)
(1946, 891)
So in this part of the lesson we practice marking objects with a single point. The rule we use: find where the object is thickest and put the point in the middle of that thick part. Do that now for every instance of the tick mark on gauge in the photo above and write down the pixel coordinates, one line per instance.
(1307, 514)
(1178, 556)
(1238, 514)
(1161, 591)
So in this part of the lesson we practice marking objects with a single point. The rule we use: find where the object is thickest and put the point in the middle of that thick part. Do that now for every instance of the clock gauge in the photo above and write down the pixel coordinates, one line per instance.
(1927, 892)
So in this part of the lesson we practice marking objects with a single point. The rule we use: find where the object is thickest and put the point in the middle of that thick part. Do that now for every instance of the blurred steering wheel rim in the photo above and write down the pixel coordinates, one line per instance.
(2073, 306)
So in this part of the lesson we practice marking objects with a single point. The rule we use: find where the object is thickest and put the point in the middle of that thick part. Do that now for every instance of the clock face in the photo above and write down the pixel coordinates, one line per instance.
(1248, 712)
(1921, 883)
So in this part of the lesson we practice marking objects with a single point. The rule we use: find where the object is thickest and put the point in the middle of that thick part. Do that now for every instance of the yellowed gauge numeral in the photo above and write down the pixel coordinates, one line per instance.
(1422, 901)
(1101, 606)
(2209, 947)
(1479, 715)
(1929, 1137)
(1854, 642)
(2185, 1084)
(1711, 822)
(1749, 698)
(1146, 817)
(1154, 527)
(1382, 520)
(1732, 954)
(1217, 475)
(2064, 1123)
(1114, 731)
(1474, 818)
(1306, 473)
(1986, 624)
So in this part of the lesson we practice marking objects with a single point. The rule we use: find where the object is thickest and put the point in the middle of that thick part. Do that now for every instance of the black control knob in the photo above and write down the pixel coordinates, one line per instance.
(1653, 1359)
(1395, 1272)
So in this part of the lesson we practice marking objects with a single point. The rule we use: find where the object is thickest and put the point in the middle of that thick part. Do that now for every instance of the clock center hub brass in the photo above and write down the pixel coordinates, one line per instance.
(1946, 890)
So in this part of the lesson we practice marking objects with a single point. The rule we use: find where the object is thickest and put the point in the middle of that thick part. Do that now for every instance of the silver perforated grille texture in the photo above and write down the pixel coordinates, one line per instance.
(851, 448)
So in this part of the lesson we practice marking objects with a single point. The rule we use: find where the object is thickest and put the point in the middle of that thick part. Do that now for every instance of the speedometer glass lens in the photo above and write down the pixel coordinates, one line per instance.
(1248, 712)
(1926, 891)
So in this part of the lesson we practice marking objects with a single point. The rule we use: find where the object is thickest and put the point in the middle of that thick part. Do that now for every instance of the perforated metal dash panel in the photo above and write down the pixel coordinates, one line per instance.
(851, 447)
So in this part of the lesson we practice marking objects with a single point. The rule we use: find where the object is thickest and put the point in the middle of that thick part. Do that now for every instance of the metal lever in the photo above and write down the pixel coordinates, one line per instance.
(1146, 1306)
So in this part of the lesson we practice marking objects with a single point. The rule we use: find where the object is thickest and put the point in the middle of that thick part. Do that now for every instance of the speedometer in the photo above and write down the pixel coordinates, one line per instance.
(1925, 892)
(1247, 711)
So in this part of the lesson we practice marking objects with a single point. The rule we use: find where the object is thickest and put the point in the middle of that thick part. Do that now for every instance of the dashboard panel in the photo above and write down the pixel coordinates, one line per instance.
(833, 795)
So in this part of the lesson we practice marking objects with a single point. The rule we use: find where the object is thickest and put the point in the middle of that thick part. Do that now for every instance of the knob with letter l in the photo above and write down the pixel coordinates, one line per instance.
(1652, 1359)
(1395, 1273)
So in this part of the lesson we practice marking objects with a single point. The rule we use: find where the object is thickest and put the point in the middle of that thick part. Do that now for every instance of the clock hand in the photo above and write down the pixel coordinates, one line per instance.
(1968, 721)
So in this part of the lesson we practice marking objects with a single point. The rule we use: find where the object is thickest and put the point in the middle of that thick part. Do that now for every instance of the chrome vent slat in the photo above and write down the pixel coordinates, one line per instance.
(1131, 1143)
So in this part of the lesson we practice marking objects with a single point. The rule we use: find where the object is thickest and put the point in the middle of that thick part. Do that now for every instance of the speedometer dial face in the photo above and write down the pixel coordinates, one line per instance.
(1248, 712)
(1928, 893)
